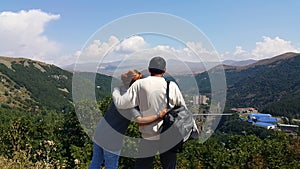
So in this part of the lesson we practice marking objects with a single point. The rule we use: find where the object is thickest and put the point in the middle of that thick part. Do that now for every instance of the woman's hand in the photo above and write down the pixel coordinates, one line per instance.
(163, 113)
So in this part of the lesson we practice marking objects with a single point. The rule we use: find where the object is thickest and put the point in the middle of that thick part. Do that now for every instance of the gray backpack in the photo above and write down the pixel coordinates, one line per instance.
(181, 119)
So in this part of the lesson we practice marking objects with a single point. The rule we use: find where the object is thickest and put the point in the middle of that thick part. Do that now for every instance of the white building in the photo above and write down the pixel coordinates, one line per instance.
(196, 100)
(203, 99)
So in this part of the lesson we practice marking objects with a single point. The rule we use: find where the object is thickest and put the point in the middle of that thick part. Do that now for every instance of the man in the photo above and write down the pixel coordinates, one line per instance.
(150, 95)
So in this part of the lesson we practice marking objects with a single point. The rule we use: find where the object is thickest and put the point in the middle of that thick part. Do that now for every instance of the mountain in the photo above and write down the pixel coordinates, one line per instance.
(271, 85)
(285, 56)
(118, 67)
(239, 63)
(31, 85)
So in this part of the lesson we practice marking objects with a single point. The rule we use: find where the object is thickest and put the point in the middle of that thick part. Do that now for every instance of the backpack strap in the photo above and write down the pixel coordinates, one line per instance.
(167, 92)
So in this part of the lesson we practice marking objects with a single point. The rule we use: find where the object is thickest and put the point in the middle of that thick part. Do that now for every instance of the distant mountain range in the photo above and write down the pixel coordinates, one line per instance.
(271, 85)
(117, 67)
(239, 63)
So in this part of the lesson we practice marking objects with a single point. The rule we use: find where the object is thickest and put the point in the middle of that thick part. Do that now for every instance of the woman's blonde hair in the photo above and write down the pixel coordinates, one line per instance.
(130, 77)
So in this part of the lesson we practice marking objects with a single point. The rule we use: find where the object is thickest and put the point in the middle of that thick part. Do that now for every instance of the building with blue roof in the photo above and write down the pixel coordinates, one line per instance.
(263, 120)
(250, 121)
(256, 115)
(271, 120)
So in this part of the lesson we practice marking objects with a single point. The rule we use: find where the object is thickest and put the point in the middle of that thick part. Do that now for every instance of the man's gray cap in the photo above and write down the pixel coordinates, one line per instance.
(157, 63)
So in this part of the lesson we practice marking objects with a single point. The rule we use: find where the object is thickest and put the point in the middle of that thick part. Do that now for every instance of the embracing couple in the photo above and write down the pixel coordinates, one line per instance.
(144, 101)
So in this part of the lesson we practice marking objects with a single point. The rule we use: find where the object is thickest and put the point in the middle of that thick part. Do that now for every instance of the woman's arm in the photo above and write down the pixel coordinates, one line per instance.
(127, 100)
(149, 119)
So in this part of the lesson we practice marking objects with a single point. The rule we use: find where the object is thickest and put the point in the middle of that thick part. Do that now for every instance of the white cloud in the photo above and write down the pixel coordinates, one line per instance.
(239, 50)
(184, 54)
(238, 55)
(136, 47)
(116, 49)
(132, 44)
(206, 55)
(266, 49)
(272, 47)
(97, 49)
(22, 34)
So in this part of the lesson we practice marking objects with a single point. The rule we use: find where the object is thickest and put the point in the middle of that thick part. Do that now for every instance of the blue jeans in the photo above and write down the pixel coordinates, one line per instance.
(101, 156)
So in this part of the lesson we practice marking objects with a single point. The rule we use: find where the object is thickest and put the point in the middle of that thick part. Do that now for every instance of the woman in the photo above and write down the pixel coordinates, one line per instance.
(111, 129)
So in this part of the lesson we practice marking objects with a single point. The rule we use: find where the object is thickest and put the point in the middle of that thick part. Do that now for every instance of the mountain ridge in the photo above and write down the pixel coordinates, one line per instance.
(115, 67)
(283, 56)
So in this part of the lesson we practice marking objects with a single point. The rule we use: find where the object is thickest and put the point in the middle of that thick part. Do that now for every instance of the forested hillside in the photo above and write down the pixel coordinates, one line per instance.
(33, 85)
(271, 85)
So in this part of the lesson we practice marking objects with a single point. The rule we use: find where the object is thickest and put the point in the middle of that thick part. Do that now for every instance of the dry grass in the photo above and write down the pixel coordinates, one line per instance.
(20, 164)
(22, 159)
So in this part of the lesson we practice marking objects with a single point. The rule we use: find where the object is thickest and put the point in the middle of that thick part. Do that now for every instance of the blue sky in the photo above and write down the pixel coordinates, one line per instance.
(238, 29)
